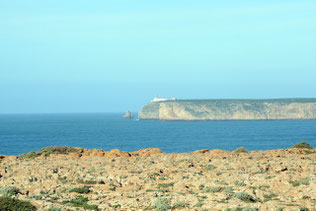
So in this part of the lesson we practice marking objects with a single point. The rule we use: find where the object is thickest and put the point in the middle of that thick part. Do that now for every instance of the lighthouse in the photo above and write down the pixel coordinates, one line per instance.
(158, 99)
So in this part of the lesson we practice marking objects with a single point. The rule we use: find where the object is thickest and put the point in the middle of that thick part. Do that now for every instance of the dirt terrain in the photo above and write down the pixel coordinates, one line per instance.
(76, 178)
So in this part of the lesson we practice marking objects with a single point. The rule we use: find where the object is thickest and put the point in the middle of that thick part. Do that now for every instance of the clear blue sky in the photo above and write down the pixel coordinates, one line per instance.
(113, 55)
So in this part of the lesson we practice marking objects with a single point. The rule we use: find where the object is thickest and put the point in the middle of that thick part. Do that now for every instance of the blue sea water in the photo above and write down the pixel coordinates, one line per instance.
(24, 133)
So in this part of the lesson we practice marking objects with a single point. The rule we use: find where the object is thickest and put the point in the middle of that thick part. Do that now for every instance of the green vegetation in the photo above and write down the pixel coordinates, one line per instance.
(80, 201)
(54, 209)
(304, 181)
(221, 182)
(229, 190)
(201, 186)
(87, 182)
(83, 190)
(9, 191)
(116, 205)
(210, 167)
(259, 172)
(240, 150)
(212, 189)
(268, 197)
(180, 205)
(199, 204)
(264, 187)
(162, 204)
(62, 179)
(159, 190)
(9, 204)
(221, 172)
(242, 209)
(302, 145)
(243, 196)
(47, 151)
(165, 185)
(240, 183)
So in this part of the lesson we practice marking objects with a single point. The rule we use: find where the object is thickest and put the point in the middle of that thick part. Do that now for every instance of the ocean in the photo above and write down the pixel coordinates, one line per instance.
(21, 133)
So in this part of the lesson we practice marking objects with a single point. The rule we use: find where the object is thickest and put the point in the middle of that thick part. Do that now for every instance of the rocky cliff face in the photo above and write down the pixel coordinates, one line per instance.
(230, 109)
(150, 111)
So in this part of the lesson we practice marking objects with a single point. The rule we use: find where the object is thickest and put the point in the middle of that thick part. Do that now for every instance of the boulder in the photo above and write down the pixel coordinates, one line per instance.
(93, 152)
(146, 152)
(116, 153)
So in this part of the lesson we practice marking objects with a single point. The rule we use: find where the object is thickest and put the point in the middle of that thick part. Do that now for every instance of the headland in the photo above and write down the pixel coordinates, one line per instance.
(229, 109)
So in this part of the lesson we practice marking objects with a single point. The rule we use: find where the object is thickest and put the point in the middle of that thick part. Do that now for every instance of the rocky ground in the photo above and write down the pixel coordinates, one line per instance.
(283, 179)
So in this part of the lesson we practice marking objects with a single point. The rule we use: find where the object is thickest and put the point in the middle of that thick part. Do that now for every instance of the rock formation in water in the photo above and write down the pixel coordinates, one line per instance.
(229, 109)
(128, 115)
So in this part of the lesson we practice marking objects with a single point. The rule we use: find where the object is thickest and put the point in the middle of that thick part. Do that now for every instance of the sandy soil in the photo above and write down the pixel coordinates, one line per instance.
(283, 179)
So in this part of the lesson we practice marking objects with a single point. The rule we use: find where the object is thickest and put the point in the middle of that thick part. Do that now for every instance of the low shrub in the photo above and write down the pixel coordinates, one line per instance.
(304, 181)
(229, 190)
(221, 182)
(87, 182)
(83, 190)
(165, 185)
(80, 201)
(242, 209)
(240, 150)
(116, 205)
(240, 183)
(302, 145)
(9, 204)
(9, 191)
(199, 204)
(54, 209)
(210, 167)
(243, 196)
(162, 204)
(212, 189)
(180, 205)
(268, 197)
(47, 151)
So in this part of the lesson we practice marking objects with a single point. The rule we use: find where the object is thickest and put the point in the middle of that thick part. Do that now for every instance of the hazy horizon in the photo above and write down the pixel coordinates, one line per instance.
(136, 111)
(113, 56)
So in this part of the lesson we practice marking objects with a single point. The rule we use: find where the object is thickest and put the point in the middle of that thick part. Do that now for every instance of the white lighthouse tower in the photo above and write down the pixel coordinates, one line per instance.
(158, 99)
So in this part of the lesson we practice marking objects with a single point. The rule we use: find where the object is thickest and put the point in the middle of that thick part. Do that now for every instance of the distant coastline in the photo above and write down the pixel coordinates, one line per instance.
(230, 109)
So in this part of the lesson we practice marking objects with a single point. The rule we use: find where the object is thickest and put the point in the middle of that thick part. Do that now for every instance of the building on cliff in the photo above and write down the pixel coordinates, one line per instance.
(158, 99)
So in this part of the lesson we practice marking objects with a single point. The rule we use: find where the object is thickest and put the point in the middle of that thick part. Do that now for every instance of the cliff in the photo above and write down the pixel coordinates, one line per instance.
(264, 109)
(150, 111)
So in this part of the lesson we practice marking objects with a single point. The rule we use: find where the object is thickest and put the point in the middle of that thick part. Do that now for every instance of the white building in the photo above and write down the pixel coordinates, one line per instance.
(158, 99)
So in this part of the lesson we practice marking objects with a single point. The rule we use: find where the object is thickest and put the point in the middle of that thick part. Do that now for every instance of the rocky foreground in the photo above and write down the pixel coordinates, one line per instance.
(65, 178)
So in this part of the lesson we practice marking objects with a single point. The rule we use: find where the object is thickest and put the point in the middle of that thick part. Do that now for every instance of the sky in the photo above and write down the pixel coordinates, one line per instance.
(73, 56)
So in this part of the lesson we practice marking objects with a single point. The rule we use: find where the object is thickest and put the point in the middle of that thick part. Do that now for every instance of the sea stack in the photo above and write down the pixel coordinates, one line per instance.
(128, 115)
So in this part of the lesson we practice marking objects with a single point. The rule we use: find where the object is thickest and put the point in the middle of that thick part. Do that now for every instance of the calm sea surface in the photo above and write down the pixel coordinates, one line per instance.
(24, 133)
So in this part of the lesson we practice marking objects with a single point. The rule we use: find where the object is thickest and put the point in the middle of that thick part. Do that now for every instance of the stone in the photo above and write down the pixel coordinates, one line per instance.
(116, 153)
(147, 152)
(128, 115)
